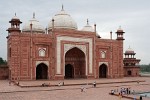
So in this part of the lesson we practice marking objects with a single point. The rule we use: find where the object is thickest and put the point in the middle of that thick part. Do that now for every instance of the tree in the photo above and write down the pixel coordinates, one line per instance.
(145, 68)
(2, 61)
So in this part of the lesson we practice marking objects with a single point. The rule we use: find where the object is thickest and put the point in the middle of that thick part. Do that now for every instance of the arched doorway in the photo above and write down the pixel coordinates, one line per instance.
(41, 71)
(75, 58)
(129, 72)
(69, 71)
(103, 71)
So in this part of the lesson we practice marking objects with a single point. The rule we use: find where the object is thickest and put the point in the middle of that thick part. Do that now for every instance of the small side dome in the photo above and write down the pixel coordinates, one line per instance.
(88, 27)
(120, 30)
(15, 18)
(63, 20)
(36, 26)
(129, 51)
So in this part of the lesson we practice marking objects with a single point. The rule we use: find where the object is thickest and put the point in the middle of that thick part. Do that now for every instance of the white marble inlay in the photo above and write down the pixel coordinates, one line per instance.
(70, 46)
(44, 62)
(100, 63)
(67, 47)
(73, 39)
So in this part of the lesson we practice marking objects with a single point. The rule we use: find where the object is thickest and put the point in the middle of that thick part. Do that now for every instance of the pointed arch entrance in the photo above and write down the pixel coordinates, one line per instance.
(75, 63)
(41, 71)
(103, 71)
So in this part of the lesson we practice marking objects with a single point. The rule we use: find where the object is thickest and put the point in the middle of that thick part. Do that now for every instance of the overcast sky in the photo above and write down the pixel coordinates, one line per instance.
(132, 15)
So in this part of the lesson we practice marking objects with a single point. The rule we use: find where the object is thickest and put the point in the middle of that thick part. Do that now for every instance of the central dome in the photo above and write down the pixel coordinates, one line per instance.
(63, 20)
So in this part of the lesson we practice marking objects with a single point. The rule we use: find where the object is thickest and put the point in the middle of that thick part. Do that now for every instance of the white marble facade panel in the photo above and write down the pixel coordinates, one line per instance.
(83, 48)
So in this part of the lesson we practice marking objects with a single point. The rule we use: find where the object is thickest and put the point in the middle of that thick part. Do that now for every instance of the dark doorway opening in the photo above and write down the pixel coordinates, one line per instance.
(41, 71)
(69, 71)
(103, 71)
(129, 72)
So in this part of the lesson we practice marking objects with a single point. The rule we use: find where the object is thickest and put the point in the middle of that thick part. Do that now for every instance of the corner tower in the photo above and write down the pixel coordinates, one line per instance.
(13, 48)
(131, 67)
(120, 39)
(15, 24)
(120, 33)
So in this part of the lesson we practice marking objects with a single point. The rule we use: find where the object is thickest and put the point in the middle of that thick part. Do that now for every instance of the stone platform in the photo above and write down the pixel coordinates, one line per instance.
(33, 90)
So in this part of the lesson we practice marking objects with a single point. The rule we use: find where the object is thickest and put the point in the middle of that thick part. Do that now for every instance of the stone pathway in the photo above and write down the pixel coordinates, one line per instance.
(71, 92)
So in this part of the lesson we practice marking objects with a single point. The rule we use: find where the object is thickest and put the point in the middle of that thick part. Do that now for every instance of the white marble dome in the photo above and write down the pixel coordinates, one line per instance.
(129, 50)
(36, 26)
(63, 20)
(15, 17)
(88, 28)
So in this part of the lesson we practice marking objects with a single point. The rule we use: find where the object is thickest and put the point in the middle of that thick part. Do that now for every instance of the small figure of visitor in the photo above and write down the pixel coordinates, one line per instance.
(9, 83)
(94, 84)
(129, 90)
(112, 92)
(59, 84)
(133, 92)
(17, 83)
(120, 96)
(134, 98)
(138, 82)
(63, 83)
(141, 98)
(43, 84)
(82, 88)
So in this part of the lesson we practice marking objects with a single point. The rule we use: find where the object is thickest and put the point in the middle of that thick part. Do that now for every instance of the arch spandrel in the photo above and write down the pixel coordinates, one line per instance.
(100, 63)
(44, 62)
(68, 47)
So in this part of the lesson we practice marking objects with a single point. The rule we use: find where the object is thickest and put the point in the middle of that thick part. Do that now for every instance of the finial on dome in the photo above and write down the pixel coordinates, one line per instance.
(87, 22)
(129, 47)
(15, 17)
(62, 9)
(33, 14)
(120, 27)
(111, 35)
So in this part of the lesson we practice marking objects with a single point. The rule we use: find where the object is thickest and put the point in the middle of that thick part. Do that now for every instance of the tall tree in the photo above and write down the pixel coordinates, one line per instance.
(145, 68)
(2, 61)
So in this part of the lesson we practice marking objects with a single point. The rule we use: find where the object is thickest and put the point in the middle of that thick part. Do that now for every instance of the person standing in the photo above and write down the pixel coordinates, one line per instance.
(141, 98)
(82, 88)
(120, 96)
(94, 84)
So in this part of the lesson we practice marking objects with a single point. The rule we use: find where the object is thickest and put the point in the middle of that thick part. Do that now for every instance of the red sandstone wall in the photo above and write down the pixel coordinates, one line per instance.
(24, 53)
(134, 70)
(114, 57)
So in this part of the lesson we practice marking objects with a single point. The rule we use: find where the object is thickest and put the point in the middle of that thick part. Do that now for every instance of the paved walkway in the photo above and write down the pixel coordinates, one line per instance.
(79, 81)
(72, 89)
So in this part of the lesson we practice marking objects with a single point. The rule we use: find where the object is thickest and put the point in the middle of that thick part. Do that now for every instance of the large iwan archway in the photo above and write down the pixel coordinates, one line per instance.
(42, 71)
(103, 71)
(75, 63)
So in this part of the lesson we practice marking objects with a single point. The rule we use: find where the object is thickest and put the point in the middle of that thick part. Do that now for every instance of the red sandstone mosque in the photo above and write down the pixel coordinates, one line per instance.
(62, 51)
